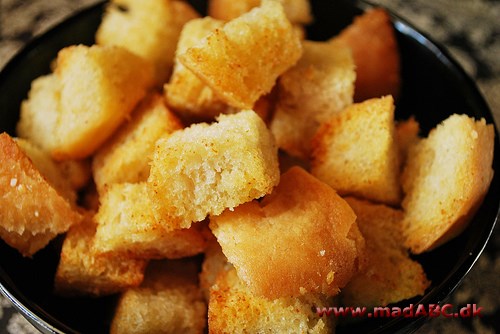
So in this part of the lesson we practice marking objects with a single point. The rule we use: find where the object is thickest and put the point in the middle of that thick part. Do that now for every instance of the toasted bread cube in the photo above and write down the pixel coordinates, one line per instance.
(148, 28)
(376, 55)
(83, 272)
(355, 152)
(126, 156)
(126, 225)
(214, 263)
(406, 136)
(39, 113)
(233, 308)
(297, 11)
(390, 274)
(77, 172)
(320, 85)
(33, 206)
(185, 92)
(168, 301)
(99, 88)
(205, 169)
(445, 180)
(301, 239)
(242, 60)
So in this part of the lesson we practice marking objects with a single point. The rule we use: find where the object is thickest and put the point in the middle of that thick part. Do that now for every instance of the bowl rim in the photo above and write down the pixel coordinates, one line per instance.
(49, 324)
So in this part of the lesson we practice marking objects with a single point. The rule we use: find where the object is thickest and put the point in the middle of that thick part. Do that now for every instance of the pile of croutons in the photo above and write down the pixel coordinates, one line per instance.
(233, 136)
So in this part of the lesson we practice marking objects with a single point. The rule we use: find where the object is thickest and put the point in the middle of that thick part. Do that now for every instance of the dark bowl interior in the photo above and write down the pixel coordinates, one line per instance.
(434, 87)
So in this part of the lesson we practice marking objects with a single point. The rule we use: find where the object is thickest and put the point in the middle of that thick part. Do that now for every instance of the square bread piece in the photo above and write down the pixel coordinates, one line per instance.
(445, 180)
(185, 92)
(168, 301)
(390, 274)
(126, 225)
(83, 272)
(126, 156)
(36, 203)
(297, 11)
(242, 60)
(320, 85)
(356, 152)
(72, 112)
(147, 28)
(205, 169)
(375, 50)
(233, 308)
(301, 239)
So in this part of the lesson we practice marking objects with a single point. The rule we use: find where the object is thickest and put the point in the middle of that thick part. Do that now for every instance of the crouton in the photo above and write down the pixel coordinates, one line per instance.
(39, 113)
(355, 152)
(213, 264)
(33, 210)
(376, 55)
(301, 239)
(149, 29)
(83, 272)
(390, 274)
(168, 301)
(406, 136)
(320, 85)
(126, 225)
(77, 172)
(185, 92)
(233, 308)
(445, 180)
(126, 156)
(205, 169)
(242, 60)
(297, 11)
(99, 87)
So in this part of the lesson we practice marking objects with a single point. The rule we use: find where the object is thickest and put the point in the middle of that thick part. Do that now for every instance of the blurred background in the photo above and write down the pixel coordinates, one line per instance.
(469, 29)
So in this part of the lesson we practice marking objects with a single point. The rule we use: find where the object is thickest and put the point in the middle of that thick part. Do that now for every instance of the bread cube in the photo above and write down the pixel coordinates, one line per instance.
(320, 85)
(33, 206)
(406, 136)
(126, 156)
(205, 169)
(77, 172)
(375, 50)
(83, 272)
(126, 225)
(297, 11)
(242, 60)
(303, 238)
(168, 301)
(390, 274)
(148, 28)
(356, 153)
(185, 92)
(214, 262)
(445, 180)
(233, 308)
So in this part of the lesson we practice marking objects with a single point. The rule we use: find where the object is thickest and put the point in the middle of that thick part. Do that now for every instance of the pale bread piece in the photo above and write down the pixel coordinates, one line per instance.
(242, 60)
(320, 85)
(33, 207)
(83, 272)
(356, 153)
(77, 172)
(301, 239)
(390, 275)
(297, 11)
(126, 225)
(126, 156)
(185, 92)
(213, 264)
(445, 180)
(147, 28)
(375, 50)
(99, 88)
(205, 169)
(406, 136)
(168, 301)
(233, 308)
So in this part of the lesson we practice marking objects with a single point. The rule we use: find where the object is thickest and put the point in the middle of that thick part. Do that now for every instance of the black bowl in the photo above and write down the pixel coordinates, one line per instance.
(434, 87)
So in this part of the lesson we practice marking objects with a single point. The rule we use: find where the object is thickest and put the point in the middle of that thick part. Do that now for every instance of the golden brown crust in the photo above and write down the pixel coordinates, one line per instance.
(32, 210)
(301, 239)
(375, 50)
